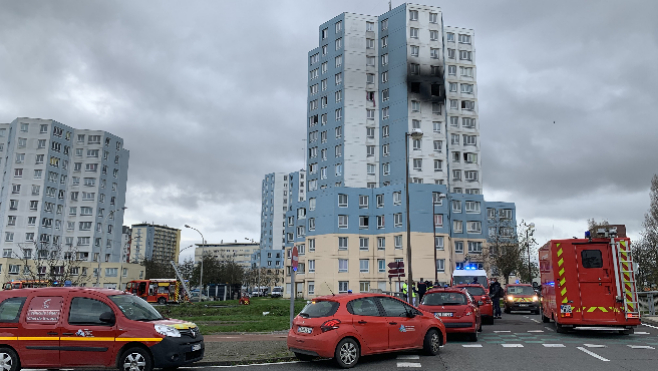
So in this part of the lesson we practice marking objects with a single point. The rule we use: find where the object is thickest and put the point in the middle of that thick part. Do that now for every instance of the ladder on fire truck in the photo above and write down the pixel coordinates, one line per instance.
(182, 281)
(625, 274)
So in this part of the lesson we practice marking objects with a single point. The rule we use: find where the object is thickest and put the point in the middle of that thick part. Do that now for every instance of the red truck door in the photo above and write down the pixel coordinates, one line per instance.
(595, 276)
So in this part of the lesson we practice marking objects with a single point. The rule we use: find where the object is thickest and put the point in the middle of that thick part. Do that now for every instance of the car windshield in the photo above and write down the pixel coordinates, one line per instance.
(317, 309)
(475, 291)
(520, 290)
(461, 280)
(136, 308)
(444, 298)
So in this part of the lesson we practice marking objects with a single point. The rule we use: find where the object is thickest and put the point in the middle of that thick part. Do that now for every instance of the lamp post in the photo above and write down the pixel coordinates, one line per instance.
(203, 249)
(259, 264)
(415, 134)
(530, 227)
(98, 271)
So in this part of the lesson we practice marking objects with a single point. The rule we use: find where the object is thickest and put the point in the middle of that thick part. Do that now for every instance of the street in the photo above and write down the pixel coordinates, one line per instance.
(518, 341)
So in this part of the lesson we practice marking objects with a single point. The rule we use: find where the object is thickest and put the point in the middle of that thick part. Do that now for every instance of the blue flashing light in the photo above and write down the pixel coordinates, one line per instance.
(588, 234)
(551, 283)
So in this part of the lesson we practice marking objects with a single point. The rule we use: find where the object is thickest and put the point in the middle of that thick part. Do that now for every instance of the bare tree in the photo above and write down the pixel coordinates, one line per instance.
(52, 263)
(505, 252)
(645, 251)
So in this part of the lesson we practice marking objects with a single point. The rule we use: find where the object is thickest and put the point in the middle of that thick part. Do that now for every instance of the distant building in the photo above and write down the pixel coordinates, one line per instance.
(276, 198)
(238, 252)
(268, 258)
(126, 236)
(158, 243)
(62, 188)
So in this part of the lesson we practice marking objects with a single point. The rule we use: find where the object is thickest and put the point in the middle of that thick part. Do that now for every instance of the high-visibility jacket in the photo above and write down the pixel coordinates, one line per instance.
(404, 290)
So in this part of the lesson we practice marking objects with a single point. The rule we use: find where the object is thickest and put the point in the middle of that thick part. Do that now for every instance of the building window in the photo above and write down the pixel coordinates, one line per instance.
(363, 222)
(339, 43)
(397, 198)
(440, 265)
(363, 243)
(398, 241)
(397, 219)
(415, 50)
(343, 287)
(438, 243)
(342, 265)
(364, 265)
(370, 26)
(342, 243)
(465, 55)
(384, 59)
(474, 227)
(434, 35)
(381, 243)
(342, 221)
(451, 53)
(384, 41)
(438, 220)
(474, 247)
(385, 76)
(413, 32)
(418, 162)
(434, 53)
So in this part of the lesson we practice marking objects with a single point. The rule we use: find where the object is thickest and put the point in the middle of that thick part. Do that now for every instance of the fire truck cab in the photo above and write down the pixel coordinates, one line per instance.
(161, 291)
(589, 284)
(25, 284)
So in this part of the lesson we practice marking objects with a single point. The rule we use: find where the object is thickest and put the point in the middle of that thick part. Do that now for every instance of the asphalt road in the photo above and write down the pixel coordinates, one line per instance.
(518, 341)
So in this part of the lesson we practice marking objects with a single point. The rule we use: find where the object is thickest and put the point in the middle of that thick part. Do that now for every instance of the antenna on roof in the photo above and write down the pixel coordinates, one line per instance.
(389, 5)
(332, 293)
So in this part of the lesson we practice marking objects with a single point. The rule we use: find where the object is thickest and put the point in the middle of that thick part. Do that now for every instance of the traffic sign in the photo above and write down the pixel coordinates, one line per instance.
(295, 258)
(396, 275)
(396, 271)
(394, 265)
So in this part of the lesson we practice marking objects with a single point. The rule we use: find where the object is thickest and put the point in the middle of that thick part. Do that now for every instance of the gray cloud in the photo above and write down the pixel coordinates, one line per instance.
(210, 96)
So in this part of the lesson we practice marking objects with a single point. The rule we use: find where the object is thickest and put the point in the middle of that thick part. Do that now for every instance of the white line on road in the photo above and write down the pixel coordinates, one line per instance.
(409, 364)
(642, 333)
(472, 345)
(512, 345)
(650, 326)
(550, 329)
(497, 332)
(554, 345)
(536, 331)
(525, 316)
(594, 354)
(408, 356)
(534, 320)
(594, 346)
(640, 347)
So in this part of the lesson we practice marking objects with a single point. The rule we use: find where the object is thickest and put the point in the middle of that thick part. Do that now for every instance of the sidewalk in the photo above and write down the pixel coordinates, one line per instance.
(650, 320)
(236, 348)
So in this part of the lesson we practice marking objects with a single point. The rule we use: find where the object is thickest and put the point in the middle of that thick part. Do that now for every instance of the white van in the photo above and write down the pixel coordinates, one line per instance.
(277, 292)
(470, 276)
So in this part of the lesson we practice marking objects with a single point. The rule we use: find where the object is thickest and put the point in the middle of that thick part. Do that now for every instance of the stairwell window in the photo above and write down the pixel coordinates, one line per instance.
(438, 243)
(384, 59)
(413, 32)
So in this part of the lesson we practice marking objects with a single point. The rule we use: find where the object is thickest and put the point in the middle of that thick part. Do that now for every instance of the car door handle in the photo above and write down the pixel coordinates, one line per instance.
(362, 322)
(67, 333)
(392, 323)
(52, 333)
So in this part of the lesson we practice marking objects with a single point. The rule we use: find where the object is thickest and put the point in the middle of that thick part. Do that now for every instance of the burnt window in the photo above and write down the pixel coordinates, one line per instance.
(592, 259)
(415, 87)
(436, 89)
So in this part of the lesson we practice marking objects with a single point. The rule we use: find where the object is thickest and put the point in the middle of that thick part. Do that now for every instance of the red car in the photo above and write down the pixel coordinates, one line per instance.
(347, 326)
(480, 294)
(456, 308)
(77, 327)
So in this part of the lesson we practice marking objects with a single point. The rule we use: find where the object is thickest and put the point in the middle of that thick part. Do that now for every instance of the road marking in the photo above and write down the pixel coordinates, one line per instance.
(498, 332)
(472, 345)
(640, 347)
(594, 354)
(594, 346)
(550, 329)
(525, 317)
(409, 364)
(536, 331)
(534, 320)
(512, 345)
(642, 333)
(650, 326)
(554, 345)
(408, 356)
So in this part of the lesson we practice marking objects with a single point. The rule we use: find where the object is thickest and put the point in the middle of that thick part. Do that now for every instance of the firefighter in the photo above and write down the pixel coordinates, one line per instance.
(496, 292)
(413, 293)
(422, 288)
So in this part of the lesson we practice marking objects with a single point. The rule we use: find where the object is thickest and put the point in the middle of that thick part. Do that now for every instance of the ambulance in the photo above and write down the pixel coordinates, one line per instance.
(589, 284)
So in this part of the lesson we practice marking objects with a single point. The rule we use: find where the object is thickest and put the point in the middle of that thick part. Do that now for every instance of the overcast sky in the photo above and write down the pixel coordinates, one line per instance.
(211, 95)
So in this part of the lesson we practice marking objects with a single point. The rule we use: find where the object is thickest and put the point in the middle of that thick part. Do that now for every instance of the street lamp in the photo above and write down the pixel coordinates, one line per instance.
(259, 263)
(415, 135)
(530, 227)
(203, 249)
(98, 272)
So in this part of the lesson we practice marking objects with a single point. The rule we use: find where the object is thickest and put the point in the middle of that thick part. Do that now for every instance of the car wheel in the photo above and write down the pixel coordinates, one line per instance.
(544, 318)
(560, 329)
(9, 360)
(473, 337)
(162, 301)
(490, 320)
(303, 357)
(135, 359)
(432, 342)
(347, 353)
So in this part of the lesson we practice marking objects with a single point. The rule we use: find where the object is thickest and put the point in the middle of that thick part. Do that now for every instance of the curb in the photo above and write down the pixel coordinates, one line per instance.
(244, 362)
(650, 319)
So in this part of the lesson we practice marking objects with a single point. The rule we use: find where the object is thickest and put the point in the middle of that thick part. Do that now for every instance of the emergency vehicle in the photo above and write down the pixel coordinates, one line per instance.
(520, 296)
(161, 291)
(25, 284)
(470, 275)
(589, 283)
(79, 327)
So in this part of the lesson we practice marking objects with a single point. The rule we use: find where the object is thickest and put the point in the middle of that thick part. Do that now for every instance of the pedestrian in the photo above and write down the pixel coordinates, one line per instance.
(404, 291)
(422, 288)
(496, 292)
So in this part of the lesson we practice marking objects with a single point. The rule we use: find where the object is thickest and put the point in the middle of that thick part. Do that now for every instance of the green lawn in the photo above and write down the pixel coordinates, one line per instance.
(236, 318)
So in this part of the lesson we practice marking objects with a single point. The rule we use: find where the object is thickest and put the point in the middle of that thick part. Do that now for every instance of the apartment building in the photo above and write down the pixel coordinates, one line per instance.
(240, 253)
(62, 189)
(158, 243)
(385, 94)
(278, 192)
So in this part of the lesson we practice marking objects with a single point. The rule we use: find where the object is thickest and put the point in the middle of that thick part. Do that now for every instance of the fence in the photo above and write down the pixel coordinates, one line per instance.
(647, 301)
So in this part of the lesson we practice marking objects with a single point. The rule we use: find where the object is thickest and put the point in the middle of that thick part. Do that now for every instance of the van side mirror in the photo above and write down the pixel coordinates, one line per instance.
(480, 302)
(107, 317)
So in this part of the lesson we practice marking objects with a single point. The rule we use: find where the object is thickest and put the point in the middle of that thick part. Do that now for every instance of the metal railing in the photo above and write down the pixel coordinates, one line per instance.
(647, 302)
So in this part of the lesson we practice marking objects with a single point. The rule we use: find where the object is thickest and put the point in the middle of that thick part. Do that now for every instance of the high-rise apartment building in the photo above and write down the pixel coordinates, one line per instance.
(279, 190)
(62, 188)
(385, 92)
(158, 243)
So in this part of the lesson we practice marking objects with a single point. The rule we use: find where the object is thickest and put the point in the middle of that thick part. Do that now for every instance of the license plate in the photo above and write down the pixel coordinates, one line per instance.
(304, 330)
(445, 314)
(565, 308)
(196, 347)
(523, 305)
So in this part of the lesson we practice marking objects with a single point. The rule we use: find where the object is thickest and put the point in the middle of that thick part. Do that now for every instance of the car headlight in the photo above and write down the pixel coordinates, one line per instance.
(535, 298)
(510, 298)
(167, 331)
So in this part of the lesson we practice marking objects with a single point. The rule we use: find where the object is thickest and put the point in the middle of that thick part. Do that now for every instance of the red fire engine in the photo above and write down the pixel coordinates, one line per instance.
(161, 291)
(589, 283)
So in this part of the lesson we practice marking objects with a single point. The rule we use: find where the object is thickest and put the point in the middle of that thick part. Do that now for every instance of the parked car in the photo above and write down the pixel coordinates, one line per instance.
(197, 297)
(479, 293)
(456, 308)
(347, 326)
(94, 328)
(277, 292)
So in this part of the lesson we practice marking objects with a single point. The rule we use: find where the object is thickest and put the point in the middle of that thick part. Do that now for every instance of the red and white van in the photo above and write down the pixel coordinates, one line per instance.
(78, 327)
